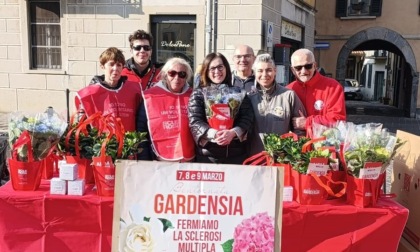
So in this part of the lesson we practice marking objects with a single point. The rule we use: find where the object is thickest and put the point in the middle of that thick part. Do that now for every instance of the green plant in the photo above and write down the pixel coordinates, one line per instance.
(130, 149)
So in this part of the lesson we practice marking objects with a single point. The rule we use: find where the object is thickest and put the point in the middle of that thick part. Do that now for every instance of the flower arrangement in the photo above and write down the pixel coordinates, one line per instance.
(222, 104)
(369, 144)
(45, 130)
(253, 234)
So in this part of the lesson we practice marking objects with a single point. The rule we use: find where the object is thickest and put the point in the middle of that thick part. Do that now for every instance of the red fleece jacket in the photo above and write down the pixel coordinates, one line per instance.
(323, 99)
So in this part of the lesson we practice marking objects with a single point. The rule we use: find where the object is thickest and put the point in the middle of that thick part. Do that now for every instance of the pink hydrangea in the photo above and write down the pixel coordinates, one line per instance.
(255, 234)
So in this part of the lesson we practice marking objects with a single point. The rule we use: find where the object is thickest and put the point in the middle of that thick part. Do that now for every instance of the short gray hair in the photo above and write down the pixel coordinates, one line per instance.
(170, 63)
(265, 58)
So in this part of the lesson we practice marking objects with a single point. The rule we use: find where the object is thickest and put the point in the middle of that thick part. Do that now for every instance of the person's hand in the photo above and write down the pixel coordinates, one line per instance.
(224, 137)
(299, 122)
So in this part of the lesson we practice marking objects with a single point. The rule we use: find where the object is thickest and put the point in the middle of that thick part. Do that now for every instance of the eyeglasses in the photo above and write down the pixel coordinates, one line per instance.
(145, 47)
(246, 56)
(181, 74)
(219, 67)
(307, 67)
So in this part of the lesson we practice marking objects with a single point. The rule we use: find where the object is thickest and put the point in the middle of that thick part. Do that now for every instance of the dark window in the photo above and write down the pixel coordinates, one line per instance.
(369, 76)
(45, 34)
(174, 36)
(345, 8)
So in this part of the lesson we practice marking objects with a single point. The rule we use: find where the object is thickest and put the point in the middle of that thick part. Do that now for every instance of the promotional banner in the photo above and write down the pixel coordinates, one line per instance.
(194, 207)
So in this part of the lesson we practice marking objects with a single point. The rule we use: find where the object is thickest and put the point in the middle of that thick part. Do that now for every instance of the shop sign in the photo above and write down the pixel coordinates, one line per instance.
(291, 31)
(177, 44)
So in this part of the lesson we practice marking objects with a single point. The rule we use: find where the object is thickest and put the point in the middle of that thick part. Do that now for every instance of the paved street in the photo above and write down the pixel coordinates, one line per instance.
(360, 112)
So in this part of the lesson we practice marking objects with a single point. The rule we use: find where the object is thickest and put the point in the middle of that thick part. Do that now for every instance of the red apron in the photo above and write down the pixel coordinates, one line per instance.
(123, 102)
(167, 117)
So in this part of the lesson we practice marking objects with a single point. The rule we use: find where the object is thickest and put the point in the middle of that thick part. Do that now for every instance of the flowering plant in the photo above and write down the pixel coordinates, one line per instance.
(222, 104)
(368, 144)
(45, 130)
(253, 234)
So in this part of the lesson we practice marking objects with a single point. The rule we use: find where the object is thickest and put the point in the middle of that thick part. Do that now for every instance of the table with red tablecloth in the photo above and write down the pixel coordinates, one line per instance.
(38, 221)
(335, 226)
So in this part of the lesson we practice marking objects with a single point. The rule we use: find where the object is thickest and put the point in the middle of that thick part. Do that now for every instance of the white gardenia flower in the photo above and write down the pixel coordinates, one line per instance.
(138, 237)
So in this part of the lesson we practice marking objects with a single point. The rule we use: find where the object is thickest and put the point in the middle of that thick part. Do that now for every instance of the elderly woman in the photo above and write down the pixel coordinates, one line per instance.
(163, 114)
(218, 145)
(111, 93)
(274, 105)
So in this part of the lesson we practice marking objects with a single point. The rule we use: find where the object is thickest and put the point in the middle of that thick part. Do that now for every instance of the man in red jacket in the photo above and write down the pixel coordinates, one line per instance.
(139, 68)
(322, 97)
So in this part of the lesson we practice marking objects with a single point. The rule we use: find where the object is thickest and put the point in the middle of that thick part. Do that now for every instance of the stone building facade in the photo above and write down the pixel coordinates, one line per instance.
(50, 46)
(346, 27)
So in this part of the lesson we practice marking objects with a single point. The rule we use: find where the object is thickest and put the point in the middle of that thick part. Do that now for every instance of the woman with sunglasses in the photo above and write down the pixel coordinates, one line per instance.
(274, 105)
(212, 145)
(322, 97)
(139, 68)
(163, 114)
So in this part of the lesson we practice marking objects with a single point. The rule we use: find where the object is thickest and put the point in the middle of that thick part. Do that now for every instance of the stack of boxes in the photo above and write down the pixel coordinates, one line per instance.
(68, 181)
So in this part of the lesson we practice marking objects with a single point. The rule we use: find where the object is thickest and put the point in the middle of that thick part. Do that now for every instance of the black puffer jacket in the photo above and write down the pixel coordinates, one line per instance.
(199, 127)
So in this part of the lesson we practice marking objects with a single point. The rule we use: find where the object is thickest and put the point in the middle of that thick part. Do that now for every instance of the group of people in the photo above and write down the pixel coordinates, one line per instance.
(160, 100)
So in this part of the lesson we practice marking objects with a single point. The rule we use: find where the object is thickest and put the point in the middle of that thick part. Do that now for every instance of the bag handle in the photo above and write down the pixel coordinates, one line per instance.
(308, 145)
(24, 139)
(83, 128)
(262, 158)
(290, 134)
(328, 188)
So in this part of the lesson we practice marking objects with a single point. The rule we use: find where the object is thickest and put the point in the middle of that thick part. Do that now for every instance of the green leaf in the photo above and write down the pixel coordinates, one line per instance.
(166, 224)
(228, 246)
(146, 219)
(121, 219)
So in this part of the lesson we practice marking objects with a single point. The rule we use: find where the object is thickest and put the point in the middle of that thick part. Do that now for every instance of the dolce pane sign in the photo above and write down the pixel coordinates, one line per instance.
(175, 40)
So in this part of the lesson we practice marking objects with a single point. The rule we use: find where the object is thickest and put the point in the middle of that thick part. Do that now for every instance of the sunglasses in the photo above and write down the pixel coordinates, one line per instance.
(145, 47)
(181, 74)
(307, 67)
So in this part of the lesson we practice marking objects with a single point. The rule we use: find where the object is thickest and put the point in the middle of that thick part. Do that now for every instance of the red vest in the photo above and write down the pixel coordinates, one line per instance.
(123, 102)
(167, 117)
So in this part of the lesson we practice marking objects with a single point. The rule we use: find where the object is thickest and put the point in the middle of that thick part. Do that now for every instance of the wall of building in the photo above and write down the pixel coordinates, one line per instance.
(402, 18)
(90, 26)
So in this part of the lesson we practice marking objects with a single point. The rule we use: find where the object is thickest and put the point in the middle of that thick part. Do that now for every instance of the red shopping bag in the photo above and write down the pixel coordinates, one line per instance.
(221, 117)
(364, 192)
(104, 173)
(25, 176)
(312, 188)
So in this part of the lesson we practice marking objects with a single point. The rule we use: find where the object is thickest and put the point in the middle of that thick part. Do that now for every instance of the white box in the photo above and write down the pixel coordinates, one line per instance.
(288, 193)
(76, 187)
(58, 186)
(68, 171)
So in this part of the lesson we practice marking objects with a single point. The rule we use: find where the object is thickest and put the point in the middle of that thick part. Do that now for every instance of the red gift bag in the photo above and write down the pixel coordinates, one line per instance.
(220, 119)
(364, 192)
(311, 189)
(25, 176)
(104, 173)
(48, 166)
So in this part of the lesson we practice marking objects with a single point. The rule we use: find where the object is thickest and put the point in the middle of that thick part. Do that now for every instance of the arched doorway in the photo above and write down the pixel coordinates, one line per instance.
(380, 38)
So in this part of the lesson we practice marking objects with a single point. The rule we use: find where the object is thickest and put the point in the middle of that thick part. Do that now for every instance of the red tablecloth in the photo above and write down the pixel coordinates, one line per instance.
(38, 221)
(336, 226)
